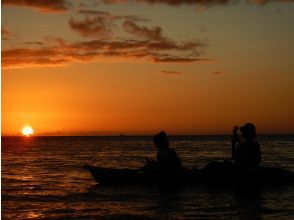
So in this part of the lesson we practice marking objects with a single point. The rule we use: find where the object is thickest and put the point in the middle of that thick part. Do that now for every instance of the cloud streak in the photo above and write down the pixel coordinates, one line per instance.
(99, 50)
(217, 72)
(45, 6)
(169, 72)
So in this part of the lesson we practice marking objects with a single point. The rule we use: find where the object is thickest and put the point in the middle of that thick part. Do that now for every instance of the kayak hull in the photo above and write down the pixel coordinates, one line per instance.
(215, 175)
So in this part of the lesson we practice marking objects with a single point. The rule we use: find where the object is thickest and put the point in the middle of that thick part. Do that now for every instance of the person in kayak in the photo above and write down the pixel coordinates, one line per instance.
(167, 160)
(246, 153)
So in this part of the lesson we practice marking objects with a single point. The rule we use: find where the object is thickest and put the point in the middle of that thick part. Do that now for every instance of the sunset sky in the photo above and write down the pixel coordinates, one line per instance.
(108, 67)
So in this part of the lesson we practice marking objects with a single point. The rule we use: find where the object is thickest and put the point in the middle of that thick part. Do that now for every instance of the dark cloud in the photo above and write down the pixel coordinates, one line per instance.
(171, 72)
(86, 51)
(175, 59)
(45, 6)
(154, 33)
(151, 46)
(157, 52)
(98, 26)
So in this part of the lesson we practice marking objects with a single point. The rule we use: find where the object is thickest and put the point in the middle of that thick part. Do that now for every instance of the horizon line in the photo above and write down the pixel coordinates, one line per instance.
(135, 135)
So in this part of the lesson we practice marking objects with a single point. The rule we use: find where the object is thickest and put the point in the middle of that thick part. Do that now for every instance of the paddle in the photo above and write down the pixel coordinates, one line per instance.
(235, 139)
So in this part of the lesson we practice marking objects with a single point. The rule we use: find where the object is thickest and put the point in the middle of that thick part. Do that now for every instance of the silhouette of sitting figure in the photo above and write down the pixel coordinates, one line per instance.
(167, 161)
(246, 153)
(167, 158)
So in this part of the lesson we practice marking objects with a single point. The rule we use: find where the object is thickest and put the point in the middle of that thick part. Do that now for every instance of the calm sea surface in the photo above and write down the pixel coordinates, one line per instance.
(44, 178)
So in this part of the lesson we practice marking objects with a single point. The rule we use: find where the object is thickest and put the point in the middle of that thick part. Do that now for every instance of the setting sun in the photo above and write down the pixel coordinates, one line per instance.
(27, 131)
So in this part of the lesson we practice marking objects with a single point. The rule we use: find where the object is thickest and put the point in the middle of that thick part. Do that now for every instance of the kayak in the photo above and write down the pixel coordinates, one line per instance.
(110, 176)
(215, 173)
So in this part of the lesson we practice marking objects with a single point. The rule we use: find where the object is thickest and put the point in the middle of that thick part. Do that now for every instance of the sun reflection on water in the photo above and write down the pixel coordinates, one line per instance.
(33, 215)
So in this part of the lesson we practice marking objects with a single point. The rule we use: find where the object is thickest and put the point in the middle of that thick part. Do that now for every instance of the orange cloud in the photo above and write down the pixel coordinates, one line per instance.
(31, 57)
(50, 6)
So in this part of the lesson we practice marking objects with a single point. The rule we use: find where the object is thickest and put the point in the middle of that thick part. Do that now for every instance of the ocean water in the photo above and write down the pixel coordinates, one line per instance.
(44, 178)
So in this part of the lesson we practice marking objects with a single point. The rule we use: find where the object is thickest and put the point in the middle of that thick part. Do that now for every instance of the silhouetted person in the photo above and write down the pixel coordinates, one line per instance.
(167, 158)
(246, 153)
(167, 161)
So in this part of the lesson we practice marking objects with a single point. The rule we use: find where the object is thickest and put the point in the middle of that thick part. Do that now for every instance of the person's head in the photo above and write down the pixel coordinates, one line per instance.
(248, 131)
(160, 140)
